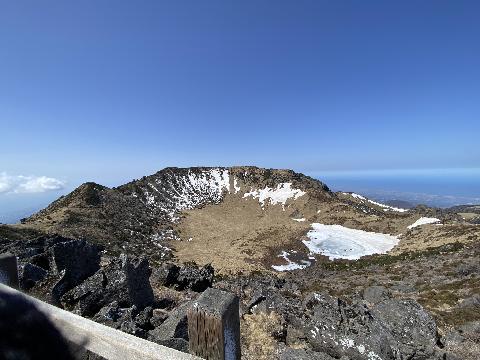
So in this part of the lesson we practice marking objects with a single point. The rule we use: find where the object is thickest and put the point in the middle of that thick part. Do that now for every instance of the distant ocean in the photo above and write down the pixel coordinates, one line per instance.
(438, 188)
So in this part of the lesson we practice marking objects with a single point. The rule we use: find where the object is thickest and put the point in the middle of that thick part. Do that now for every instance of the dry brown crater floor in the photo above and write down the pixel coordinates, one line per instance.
(238, 235)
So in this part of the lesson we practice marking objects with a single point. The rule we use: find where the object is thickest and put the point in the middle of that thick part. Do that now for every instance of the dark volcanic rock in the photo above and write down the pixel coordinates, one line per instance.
(125, 280)
(375, 294)
(412, 327)
(89, 297)
(142, 320)
(31, 275)
(109, 315)
(186, 276)
(339, 330)
(176, 343)
(165, 275)
(303, 354)
(267, 294)
(52, 265)
(129, 320)
(392, 329)
(173, 329)
(192, 277)
(129, 324)
(158, 317)
(137, 274)
(75, 260)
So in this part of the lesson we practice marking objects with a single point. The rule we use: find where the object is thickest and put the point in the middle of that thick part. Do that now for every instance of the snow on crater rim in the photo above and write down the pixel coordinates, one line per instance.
(383, 206)
(423, 221)
(187, 191)
(278, 195)
(356, 196)
(339, 242)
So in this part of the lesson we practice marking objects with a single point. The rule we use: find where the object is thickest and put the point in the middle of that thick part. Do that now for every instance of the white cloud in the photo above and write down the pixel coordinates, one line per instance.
(28, 184)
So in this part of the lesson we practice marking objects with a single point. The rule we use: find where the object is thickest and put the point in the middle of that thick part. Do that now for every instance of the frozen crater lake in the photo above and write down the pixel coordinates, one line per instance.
(339, 242)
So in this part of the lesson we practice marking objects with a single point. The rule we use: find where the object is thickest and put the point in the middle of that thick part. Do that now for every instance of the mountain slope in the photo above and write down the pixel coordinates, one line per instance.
(140, 216)
(238, 218)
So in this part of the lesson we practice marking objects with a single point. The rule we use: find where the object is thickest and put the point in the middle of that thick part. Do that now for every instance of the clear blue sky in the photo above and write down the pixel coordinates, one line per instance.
(113, 90)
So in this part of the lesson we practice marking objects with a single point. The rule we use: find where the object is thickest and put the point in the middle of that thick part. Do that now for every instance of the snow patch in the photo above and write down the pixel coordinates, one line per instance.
(236, 187)
(174, 193)
(423, 221)
(278, 195)
(299, 220)
(339, 242)
(347, 342)
(373, 356)
(290, 264)
(387, 207)
(356, 196)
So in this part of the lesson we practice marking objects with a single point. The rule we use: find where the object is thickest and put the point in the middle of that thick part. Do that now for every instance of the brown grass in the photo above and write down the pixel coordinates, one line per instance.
(257, 340)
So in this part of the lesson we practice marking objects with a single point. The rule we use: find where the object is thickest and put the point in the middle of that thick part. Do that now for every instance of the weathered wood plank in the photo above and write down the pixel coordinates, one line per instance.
(214, 326)
(102, 340)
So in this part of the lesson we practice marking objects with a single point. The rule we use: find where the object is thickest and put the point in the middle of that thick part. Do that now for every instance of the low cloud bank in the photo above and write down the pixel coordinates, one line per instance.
(28, 184)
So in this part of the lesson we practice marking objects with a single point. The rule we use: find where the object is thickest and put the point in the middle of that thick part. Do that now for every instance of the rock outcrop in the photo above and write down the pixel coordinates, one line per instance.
(125, 280)
(186, 276)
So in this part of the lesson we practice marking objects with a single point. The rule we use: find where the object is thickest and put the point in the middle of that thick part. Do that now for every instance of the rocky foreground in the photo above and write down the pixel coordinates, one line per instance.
(377, 308)
(320, 275)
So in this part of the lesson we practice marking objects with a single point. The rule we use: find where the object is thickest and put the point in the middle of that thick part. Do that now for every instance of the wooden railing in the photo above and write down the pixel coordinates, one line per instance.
(214, 312)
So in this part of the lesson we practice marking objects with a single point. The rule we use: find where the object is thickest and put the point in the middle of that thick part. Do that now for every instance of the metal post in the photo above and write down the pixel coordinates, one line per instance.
(9, 270)
(214, 326)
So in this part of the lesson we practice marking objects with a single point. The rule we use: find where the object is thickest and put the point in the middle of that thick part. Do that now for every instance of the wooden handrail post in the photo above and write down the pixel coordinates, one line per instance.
(104, 341)
(9, 270)
(214, 326)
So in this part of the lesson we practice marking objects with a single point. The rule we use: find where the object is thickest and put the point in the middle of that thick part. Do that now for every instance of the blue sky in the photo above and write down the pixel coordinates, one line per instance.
(113, 90)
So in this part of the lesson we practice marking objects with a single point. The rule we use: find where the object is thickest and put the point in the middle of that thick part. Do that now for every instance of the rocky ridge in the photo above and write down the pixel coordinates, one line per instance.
(282, 318)
(178, 213)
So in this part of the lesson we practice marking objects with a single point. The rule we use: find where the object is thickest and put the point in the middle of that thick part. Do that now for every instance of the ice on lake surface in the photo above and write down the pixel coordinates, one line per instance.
(339, 242)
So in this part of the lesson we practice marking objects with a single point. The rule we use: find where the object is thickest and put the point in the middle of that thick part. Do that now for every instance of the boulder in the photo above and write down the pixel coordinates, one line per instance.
(294, 336)
(269, 295)
(31, 275)
(109, 315)
(472, 327)
(129, 320)
(411, 326)
(302, 354)
(192, 277)
(472, 301)
(339, 329)
(186, 276)
(392, 329)
(375, 294)
(89, 297)
(125, 280)
(165, 275)
(452, 338)
(75, 261)
(129, 324)
(174, 327)
(135, 274)
(158, 317)
(142, 320)
(176, 343)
